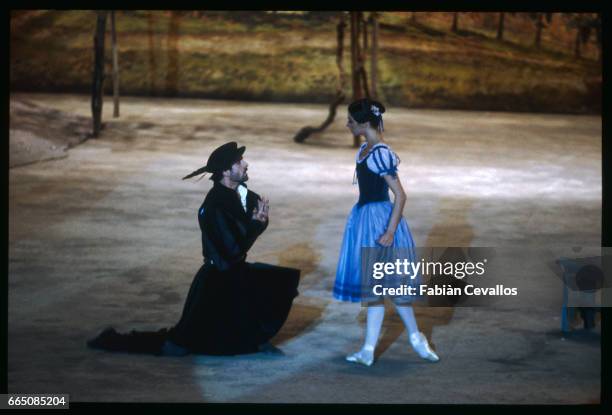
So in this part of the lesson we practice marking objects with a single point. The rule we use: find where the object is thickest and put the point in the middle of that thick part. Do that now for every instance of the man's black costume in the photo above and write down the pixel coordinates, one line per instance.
(233, 306)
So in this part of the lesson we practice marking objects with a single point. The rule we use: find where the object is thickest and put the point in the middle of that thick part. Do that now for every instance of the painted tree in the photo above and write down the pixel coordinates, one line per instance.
(172, 53)
(538, 20)
(500, 26)
(359, 79)
(585, 25)
(98, 73)
(115, 66)
(598, 35)
(357, 58)
(152, 51)
(374, 55)
(340, 96)
(455, 26)
(359, 76)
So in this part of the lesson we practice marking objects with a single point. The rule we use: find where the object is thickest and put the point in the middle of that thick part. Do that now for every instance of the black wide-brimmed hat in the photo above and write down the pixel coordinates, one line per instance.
(220, 159)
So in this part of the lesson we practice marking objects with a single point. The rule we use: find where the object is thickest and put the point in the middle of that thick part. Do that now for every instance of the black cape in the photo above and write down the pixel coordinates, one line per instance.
(233, 306)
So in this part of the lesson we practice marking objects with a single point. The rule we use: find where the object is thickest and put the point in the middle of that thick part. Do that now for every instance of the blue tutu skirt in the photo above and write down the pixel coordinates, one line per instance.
(365, 225)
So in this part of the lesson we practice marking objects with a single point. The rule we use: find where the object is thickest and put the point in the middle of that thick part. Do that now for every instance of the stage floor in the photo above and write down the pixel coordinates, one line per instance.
(108, 235)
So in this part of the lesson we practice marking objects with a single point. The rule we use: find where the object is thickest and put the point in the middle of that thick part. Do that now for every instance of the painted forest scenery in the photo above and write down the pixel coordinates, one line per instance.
(535, 62)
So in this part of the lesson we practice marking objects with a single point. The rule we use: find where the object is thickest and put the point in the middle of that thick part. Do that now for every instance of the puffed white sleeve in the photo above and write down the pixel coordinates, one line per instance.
(383, 161)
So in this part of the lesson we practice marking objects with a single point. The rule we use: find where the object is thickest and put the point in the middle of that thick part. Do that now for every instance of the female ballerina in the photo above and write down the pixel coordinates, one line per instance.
(374, 222)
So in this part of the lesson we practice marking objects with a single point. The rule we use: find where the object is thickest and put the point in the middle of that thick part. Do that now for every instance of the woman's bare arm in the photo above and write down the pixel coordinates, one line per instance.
(398, 207)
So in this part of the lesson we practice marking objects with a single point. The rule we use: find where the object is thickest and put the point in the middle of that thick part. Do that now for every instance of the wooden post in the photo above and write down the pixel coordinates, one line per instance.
(98, 73)
(115, 67)
(374, 56)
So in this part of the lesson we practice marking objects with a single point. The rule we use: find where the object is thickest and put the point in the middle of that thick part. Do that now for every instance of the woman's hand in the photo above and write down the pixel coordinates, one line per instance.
(262, 210)
(386, 239)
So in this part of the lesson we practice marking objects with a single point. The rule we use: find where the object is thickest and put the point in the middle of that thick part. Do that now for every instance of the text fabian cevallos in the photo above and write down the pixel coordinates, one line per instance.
(410, 269)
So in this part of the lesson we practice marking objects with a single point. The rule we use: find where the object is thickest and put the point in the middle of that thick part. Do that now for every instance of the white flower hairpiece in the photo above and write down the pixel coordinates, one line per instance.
(375, 110)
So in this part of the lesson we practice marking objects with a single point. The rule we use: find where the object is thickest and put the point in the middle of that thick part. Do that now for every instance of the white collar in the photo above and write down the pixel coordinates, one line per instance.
(242, 191)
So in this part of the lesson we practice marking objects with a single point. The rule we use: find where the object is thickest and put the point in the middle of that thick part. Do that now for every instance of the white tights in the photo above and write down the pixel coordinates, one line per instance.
(374, 321)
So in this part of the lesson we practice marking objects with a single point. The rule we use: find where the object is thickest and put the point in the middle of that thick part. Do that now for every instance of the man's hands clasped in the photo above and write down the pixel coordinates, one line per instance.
(262, 211)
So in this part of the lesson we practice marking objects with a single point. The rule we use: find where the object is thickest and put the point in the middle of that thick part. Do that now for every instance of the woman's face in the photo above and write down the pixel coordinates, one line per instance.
(355, 127)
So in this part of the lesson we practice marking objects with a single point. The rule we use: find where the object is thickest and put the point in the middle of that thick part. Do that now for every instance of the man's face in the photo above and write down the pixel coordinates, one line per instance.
(238, 172)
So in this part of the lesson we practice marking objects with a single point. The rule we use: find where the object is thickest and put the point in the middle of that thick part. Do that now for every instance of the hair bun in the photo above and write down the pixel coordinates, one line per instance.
(367, 110)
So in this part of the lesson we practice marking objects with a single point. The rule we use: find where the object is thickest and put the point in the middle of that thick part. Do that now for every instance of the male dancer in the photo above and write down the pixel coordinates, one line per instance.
(233, 306)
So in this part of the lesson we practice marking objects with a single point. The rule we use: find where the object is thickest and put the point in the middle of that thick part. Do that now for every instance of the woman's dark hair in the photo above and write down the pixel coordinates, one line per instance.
(366, 109)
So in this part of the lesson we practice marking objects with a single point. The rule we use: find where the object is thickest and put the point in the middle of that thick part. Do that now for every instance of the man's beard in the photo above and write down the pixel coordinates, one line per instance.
(240, 178)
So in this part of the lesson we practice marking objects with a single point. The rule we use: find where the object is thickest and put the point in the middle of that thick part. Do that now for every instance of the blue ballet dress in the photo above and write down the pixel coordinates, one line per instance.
(368, 221)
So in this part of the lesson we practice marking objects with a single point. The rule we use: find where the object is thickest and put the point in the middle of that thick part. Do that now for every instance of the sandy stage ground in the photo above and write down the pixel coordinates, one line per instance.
(106, 234)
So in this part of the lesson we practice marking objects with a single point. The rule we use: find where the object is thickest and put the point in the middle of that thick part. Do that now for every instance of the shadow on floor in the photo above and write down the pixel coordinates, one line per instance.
(451, 230)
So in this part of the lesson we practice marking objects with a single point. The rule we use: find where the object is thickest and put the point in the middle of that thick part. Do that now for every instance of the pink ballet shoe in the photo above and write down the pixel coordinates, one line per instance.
(421, 346)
